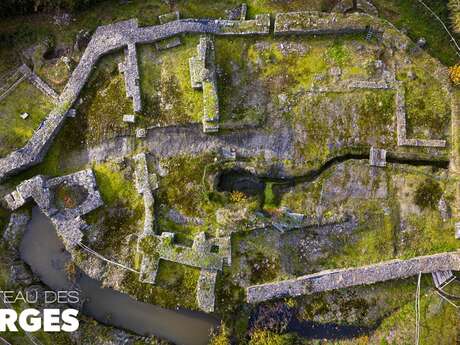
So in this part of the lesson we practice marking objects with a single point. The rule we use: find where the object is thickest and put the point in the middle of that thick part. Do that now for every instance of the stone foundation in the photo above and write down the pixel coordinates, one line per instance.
(68, 222)
(162, 246)
(203, 77)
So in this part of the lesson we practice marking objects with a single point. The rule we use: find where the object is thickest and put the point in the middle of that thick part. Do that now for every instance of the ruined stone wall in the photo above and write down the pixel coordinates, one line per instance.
(68, 221)
(107, 39)
(343, 278)
(116, 36)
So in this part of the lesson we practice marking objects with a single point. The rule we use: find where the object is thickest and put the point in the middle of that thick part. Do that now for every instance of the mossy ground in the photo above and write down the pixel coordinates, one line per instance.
(15, 131)
(380, 203)
(175, 286)
(122, 213)
(167, 95)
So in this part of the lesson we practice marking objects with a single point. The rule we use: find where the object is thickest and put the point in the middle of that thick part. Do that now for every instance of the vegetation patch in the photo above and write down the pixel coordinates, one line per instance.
(14, 130)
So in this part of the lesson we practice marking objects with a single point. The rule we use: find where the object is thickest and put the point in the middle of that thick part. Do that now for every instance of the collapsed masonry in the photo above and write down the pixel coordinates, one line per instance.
(203, 77)
(130, 70)
(343, 278)
(67, 220)
(153, 248)
(118, 35)
(346, 6)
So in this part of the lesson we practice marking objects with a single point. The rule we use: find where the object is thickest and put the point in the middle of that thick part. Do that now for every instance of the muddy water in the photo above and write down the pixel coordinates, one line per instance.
(42, 250)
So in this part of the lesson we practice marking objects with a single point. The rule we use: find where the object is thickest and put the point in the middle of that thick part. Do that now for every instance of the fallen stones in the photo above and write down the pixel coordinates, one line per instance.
(129, 118)
(81, 40)
(16, 228)
(205, 295)
(228, 154)
(237, 13)
(72, 113)
(421, 42)
(20, 274)
(162, 247)
(343, 6)
(169, 42)
(106, 39)
(367, 7)
(168, 17)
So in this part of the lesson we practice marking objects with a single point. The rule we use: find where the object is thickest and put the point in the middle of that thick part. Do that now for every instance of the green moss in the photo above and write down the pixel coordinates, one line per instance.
(427, 103)
(413, 17)
(167, 95)
(175, 286)
(338, 53)
(438, 322)
(121, 215)
(374, 243)
(262, 337)
(105, 103)
(333, 123)
(56, 74)
(222, 337)
(183, 188)
(115, 187)
(269, 196)
(15, 131)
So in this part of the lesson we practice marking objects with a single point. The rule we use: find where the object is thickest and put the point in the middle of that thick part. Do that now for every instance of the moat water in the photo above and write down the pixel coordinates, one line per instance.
(44, 252)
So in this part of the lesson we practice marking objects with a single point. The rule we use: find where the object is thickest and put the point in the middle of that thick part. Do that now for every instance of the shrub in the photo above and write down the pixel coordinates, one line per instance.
(237, 197)
(454, 74)
(428, 194)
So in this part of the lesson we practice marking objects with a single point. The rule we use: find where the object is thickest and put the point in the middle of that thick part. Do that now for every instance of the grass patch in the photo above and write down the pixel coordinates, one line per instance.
(418, 22)
(167, 95)
(15, 131)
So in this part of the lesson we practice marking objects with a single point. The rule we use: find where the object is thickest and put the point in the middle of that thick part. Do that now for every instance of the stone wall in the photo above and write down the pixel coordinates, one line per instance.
(106, 39)
(68, 222)
(25, 73)
(130, 70)
(116, 36)
(162, 247)
(203, 76)
(320, 23)
(343, 278)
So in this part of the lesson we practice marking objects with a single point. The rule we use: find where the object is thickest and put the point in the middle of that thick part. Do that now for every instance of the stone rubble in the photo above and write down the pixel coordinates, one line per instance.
(15, 229)
(129, 118)
(68, 222)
